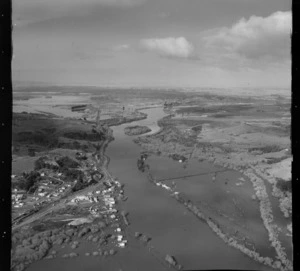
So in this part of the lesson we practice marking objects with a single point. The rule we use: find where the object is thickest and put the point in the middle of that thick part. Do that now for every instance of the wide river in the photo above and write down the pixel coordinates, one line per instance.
(153, 212)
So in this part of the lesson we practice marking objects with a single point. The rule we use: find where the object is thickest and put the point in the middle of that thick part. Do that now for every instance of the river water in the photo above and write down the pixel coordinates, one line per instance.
(153, 212)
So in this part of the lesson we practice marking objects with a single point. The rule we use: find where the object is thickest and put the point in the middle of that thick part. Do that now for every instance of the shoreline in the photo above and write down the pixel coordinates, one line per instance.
(217, 229)
(259, 187)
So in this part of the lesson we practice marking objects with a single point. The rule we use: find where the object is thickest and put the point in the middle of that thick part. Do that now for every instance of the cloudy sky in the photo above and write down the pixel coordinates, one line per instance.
(193, 43)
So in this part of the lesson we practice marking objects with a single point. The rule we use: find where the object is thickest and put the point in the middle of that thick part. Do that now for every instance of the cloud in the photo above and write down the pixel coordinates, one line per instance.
(164, 15)
(122, 3)
(70, 3)
(28, 11)
(255, 38)
(122, 47)
(169, 47)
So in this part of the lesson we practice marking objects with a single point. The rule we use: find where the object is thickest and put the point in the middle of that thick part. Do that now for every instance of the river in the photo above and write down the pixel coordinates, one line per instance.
(153, 212)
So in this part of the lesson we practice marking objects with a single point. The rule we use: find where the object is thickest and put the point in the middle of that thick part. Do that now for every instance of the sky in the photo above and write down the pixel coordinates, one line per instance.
(153, 43)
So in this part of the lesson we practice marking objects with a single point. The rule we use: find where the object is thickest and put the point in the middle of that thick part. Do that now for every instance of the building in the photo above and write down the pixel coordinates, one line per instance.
(82, 198)
(42, 194)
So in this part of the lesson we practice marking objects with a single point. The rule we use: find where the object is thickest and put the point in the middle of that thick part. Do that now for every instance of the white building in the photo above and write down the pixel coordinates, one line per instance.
(82, 198)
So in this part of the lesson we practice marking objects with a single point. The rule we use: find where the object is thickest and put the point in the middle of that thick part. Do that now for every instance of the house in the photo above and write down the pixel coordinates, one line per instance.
(82, 198)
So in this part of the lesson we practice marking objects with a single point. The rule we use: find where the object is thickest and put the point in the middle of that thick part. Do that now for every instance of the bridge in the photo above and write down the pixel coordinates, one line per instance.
(192, 175)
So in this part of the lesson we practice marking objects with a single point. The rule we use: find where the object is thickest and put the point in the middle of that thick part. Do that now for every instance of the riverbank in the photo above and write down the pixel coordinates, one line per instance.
(136, 130)
(254, 151)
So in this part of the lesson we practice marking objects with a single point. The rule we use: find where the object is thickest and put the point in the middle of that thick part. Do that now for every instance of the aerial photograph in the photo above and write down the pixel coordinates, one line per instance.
(151, 135)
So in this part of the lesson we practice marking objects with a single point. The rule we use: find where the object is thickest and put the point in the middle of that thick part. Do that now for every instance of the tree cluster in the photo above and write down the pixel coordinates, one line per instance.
(284, 186)
(45, 162)
(72, 174)
(29, 181)
(67, 162)
(95, 136)
(79, 185)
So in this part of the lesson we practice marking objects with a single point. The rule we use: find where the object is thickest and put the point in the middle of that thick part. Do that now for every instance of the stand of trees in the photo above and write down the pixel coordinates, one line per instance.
(79, 185)
(67, 162)
(28, 181)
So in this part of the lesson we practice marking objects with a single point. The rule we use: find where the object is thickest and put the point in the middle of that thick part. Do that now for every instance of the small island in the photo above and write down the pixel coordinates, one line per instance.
(136, 130)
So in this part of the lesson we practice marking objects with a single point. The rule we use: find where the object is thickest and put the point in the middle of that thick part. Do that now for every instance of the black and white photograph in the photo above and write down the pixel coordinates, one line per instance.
(151, 135)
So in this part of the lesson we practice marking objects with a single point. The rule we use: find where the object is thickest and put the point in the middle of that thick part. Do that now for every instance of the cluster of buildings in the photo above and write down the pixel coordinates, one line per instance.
(17, 199)
(46, 191)
(50, 190)
(85, 199)
(52, 186)
(106, 205)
